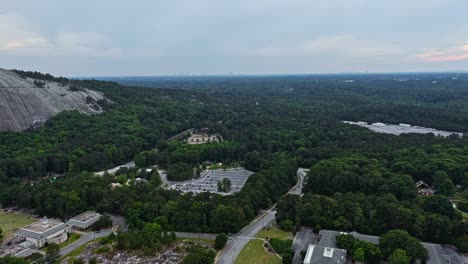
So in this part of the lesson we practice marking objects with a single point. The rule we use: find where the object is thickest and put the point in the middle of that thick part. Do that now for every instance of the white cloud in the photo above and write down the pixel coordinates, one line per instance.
(458, 52)
(15, 34)
(344, 45)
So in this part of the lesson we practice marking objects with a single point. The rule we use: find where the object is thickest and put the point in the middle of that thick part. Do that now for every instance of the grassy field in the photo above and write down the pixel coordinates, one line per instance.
(274, 233)
(72, 238)
(254, 253)
(75, 253)
(9, 222)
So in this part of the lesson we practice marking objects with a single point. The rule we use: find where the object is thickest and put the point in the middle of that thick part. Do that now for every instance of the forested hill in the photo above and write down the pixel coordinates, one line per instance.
(28, 101)
(359, 180)
(136, 119)
(436, 100)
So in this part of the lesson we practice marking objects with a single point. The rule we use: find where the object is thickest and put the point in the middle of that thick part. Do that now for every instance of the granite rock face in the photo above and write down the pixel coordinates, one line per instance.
(23, 105)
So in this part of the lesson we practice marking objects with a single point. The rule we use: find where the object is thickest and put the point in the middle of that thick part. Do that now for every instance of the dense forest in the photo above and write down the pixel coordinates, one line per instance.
(359, 180)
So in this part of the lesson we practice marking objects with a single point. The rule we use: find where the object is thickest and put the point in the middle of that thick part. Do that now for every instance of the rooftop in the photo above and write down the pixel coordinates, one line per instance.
(436, 253)
(41, 229)
(42, 225)
(324, 255)
(13, 250)
(86, 216)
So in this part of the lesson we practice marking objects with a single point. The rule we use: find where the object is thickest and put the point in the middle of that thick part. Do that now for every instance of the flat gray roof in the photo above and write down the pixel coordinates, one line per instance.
(435, 251)
(37, 230)
(325, 255)
(85, 219)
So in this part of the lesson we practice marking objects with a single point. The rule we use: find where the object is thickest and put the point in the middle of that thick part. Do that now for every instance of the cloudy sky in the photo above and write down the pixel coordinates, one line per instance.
(156, 37)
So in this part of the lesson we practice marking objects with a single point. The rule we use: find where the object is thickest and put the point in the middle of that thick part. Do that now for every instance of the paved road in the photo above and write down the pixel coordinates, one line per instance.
(301, 242)
(238, 242)
(301, 174)
(83, 240)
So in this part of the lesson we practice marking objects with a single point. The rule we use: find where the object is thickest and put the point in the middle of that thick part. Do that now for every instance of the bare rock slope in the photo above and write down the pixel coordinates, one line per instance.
(24, 105)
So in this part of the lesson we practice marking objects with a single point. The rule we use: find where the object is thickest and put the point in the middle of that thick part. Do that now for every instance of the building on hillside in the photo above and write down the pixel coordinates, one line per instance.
(84, 220)
(202, 138)
(424, 189)
(324, 255)
(44, 231)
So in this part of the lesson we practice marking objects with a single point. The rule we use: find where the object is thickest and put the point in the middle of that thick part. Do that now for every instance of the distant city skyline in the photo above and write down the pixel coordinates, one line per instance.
(212, 37)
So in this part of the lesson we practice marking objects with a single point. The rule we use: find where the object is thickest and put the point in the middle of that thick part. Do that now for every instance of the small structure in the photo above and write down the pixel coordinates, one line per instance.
(84, 220)
(202, 138)
(44, 231)
(324, 255)
(207, 163)
(424, 189)
(16, 251)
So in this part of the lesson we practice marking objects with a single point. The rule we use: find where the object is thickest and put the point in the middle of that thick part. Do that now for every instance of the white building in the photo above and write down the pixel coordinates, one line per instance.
(202, 138)
(44, 231)
(84, 220)
(324, 255)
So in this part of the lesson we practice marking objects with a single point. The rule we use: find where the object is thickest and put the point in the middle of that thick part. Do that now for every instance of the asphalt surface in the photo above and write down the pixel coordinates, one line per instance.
(83, 240)
(301, 174)
(301, 242)
(238, 242)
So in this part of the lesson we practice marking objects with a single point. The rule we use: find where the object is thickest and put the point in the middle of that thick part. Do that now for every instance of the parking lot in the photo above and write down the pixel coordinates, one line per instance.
(208, 181)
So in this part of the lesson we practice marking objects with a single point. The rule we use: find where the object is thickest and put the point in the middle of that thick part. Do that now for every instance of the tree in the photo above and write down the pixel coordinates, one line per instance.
(199, 255)
(1, 234)
(443, 184)
(286, 225)
(399, 257)
(359, 255)
(440, 205)
(220, 241)
(140, 160)
(79, 261)
(52, 253)
(179, 171)
(462, 205)
(224, 185)
(287, 258)
(12, 260)
(400, 239)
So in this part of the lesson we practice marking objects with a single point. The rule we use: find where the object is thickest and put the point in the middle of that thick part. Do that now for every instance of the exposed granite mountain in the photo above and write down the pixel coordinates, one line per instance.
(27, 102)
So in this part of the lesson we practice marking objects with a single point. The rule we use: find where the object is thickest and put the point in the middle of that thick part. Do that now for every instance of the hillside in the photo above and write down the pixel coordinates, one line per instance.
(24, 105)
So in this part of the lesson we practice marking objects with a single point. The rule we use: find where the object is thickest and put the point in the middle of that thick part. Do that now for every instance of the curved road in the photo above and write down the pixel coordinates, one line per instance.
(238, 242)
(83, 240)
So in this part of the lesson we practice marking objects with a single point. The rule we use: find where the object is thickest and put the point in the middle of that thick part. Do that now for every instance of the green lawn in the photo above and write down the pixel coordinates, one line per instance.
(254, 253)
(274, 233)
(72, 238)
(10, 222)
(75, 253)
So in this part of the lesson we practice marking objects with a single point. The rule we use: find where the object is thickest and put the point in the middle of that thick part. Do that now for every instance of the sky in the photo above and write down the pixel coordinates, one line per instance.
(173, 37)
